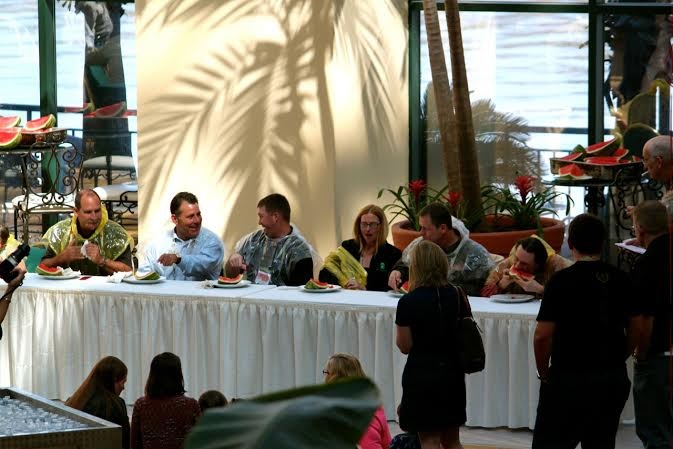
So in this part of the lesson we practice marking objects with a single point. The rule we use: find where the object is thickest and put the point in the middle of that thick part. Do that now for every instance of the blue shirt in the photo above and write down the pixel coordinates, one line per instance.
(201, 257)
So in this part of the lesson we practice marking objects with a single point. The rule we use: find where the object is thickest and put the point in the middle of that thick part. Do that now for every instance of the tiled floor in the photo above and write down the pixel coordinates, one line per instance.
(503, 438)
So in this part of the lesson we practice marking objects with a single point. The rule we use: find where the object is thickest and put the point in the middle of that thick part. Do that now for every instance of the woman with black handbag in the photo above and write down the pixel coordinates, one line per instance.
(433, 382)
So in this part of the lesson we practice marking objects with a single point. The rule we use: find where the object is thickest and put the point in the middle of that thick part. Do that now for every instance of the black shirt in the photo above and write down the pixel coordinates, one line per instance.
(590, 303)
(652, 277)
(379, 268)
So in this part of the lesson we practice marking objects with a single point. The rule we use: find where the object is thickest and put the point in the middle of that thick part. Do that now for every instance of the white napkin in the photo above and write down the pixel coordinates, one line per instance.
(119, 276)
(83, 249)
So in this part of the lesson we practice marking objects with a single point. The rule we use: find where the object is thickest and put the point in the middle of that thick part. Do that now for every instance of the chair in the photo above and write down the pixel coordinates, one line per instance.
(107, 147)
(119, 199)
(50, 192)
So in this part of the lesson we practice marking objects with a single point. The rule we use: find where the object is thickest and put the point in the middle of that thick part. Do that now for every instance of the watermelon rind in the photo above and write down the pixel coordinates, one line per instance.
(41, 123)
(571, 157)
(606, 147)
(620, 153)
(9, 122)
(404, 288)
(9, 139)
(312, 284)
(49, 271)
(230, 281)
(151, 276)
(603, 160)
(524, 276)
(579, 149)
(113, 110)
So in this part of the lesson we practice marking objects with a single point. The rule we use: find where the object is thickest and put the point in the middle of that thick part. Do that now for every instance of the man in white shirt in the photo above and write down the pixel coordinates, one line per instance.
(186, 252)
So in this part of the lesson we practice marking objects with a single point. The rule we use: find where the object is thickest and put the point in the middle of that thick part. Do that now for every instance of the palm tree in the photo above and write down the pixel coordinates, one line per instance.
(454, 114)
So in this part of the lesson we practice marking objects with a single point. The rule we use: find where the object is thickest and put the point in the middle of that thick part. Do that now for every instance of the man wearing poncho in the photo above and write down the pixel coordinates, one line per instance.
(88, 242)
(469, 262)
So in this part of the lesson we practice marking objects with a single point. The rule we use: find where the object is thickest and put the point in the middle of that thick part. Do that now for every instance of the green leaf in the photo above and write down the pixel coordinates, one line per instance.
(331, 415)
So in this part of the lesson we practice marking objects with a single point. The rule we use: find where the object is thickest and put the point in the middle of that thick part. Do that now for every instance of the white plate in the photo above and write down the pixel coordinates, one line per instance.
(395, 294)
(132, 280)
(576, 178)
(242, 283)
(512, 298)
(61, 278)
(331, 288)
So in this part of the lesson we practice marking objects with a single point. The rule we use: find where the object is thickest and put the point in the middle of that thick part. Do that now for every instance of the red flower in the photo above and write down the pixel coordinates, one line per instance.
(453, 199)
(417, 187)
(525, 185)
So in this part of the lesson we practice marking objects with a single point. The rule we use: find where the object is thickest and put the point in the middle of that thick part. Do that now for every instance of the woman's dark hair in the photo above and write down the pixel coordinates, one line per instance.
(101, 380)
(165, 377)
(535, 247)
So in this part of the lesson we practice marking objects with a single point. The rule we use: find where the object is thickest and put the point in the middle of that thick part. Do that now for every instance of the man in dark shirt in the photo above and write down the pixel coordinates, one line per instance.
(652, 279)
(581, 346)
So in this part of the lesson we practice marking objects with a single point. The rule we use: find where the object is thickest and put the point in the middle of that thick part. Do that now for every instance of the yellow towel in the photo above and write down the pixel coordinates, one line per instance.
(344, 266)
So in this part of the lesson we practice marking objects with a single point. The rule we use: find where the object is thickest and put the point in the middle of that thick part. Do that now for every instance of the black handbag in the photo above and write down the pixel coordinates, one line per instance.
(470, 345)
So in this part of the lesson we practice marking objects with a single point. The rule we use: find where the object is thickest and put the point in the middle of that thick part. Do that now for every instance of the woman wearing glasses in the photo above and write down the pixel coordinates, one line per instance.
(365, 261)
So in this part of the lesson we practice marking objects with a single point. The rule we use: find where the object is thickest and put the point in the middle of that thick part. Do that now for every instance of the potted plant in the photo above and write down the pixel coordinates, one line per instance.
(408, 200)
(509, 216)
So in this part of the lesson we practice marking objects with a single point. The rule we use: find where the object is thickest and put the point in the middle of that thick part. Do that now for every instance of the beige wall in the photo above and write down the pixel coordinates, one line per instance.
(241, 98)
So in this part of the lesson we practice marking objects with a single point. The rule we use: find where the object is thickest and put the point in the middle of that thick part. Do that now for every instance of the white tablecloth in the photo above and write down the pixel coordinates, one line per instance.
(246, 341)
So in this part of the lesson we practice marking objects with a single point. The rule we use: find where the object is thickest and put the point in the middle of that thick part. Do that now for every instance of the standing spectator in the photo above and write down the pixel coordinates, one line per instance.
(652, 370)
(6, 298)
(433, 383)
(164, 416)
(581, 346)
(377, 435)
(99, 394)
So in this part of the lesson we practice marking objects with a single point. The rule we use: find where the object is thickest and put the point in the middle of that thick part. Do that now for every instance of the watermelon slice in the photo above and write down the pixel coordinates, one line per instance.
(9, 122)
(574, 172)
(41, 123)
(113, 110)
(44, 270)
(571, 157)
(604, 147)
(603, 160)
(230, 281)
(620, 153)
(314, 284)
(405, 288)
(9, 139)
(151, 276)
(519, 274)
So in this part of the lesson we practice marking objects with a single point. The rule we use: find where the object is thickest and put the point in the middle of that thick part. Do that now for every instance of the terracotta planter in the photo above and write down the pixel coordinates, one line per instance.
(403, 236)
(503, 241)
(495, 242)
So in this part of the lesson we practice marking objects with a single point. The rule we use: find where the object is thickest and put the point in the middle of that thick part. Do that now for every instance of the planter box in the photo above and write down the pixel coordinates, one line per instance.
(98, 433)
(495, 242)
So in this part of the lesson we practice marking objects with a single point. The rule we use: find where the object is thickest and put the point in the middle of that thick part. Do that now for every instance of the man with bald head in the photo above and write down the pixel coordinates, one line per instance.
(108, 246)
(658, 159)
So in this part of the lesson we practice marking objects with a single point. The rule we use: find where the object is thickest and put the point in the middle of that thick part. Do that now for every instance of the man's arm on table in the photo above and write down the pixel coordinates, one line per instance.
(70, 254)
(210, 256)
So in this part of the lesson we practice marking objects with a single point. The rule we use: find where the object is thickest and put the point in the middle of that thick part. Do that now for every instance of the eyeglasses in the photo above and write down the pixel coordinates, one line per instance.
(372, 225)
(325, 372)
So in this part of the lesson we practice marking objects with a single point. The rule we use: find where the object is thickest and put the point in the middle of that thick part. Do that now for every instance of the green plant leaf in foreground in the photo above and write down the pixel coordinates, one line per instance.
(332, 415)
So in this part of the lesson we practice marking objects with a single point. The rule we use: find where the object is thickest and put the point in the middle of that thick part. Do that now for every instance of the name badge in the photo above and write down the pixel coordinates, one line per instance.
(263, 277)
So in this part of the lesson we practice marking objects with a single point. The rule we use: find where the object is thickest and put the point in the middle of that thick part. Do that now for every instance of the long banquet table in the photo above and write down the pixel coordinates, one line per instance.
(246, 341)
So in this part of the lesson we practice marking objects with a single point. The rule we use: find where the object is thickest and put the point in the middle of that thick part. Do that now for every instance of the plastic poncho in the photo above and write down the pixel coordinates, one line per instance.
(344, 267)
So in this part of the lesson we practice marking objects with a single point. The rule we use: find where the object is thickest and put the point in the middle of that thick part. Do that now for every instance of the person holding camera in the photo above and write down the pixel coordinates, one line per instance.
(18, 274)
(88, 242)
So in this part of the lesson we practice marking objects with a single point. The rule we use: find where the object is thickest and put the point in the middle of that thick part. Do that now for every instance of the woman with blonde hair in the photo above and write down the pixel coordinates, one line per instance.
(433, 383)
(365, 261)
(339, 366)
(99, 394)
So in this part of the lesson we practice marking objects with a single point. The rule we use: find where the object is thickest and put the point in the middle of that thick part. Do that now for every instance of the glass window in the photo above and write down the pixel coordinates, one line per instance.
(527, 76)
(95, 54)
(637, 94)
(19, 84)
